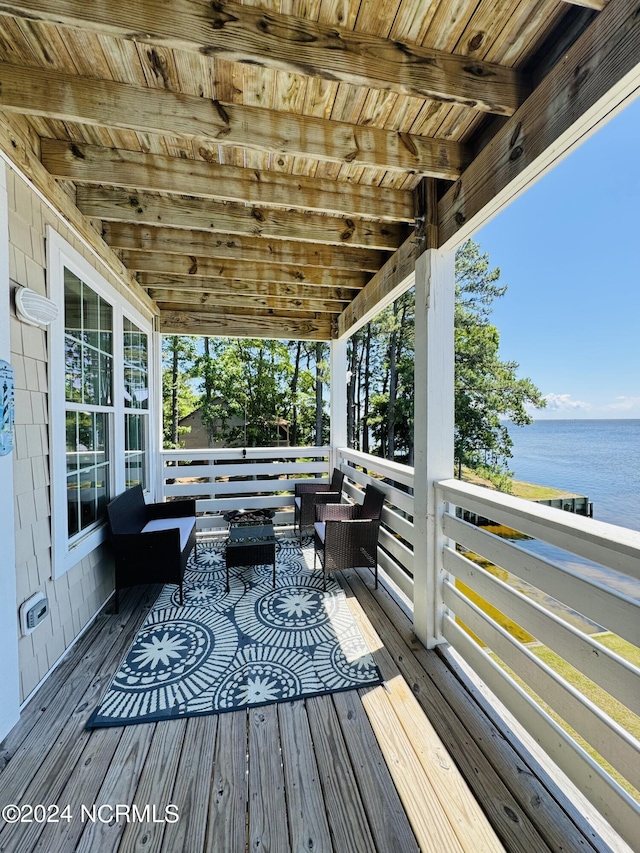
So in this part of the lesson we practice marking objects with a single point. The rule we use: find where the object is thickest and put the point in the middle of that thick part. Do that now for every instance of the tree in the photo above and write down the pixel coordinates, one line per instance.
(487, 389)
(178, 397)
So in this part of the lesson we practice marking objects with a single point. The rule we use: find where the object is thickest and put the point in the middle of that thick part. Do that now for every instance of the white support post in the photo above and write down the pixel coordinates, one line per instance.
(155, 430)
(338, 397)
(433, 432)
(10, 692)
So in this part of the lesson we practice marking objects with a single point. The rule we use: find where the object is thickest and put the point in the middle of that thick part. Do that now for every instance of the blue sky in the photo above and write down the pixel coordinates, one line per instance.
(569, 250)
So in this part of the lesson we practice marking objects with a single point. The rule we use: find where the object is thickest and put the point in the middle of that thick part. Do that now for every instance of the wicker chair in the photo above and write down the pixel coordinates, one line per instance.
(346, 535)
(307, 495)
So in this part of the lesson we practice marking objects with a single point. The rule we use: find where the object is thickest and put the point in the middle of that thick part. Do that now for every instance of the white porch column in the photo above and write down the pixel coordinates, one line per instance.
(433, 431)
(155, 417)
(338, 397)
(10, 692)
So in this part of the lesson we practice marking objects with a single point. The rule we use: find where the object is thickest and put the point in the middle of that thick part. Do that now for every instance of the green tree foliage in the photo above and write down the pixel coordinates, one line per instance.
(178, 396)
(487, 389)
(249, 391)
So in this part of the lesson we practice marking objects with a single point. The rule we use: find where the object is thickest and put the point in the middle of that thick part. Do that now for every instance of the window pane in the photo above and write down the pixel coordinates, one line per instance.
(135, 436)
(136, 375)
(73, 505)
(90, 316)
(88, 344)
(88, 468)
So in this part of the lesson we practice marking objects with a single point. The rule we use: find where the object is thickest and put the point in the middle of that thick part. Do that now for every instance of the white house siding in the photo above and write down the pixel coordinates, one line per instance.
(77, 595)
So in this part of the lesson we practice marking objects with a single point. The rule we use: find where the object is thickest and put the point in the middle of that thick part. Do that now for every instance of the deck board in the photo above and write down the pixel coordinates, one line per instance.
(267, 806)
(525, 813)
(414, 764)
(308, 826)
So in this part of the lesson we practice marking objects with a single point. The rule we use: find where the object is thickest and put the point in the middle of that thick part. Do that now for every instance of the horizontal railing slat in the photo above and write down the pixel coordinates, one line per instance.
(247, 453)
(233, 487)
(400, 552)
(397, 573)
(391, 470)
(607, 669)
(400, 499)
(250, 470)
(605, 606)
(605, 735)
(608, 797)
(618, 548)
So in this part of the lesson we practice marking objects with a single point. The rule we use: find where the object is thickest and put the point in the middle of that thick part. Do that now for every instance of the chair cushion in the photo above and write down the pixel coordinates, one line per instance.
(184, 525)
(298, 502)
(319, 527)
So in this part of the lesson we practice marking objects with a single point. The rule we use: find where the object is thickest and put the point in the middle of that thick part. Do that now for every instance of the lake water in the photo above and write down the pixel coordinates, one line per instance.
(597, 458)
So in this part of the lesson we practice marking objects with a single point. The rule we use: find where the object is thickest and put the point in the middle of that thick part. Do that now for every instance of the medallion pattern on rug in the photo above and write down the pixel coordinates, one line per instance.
(251, 646)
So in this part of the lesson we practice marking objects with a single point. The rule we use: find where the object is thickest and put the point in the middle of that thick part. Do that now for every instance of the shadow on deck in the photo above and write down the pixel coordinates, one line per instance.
(414, 764)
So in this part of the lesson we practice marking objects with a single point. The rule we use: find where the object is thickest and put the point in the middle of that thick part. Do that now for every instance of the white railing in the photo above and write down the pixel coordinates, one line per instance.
(613, 605)
(240, 478)
(222, 480)
(395, 544)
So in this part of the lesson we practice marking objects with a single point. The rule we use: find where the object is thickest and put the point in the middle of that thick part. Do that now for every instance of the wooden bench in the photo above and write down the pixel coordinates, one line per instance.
(151, 542)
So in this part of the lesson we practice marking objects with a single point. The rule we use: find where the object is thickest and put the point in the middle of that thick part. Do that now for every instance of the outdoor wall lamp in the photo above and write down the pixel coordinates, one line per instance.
(33, 308)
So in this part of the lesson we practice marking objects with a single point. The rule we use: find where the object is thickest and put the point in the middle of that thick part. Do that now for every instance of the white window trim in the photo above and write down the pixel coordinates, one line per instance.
(61, 254)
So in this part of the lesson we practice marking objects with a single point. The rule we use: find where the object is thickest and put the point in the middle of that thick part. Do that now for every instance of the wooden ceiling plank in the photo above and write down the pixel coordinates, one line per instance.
(385, 286)
(157, 173)
(156, 262)
(120, 205)
(18, 150)
(278, 326)
(143, 238)
(108, 104)
(204, 300)
(598, 73)
(598, 5)
(240, 289)
(239, 33)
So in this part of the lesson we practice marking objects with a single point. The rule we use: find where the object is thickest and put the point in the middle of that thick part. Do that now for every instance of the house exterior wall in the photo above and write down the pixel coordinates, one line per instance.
(78, 594)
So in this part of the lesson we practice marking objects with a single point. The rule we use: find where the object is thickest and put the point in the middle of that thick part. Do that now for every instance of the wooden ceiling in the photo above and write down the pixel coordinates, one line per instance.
(256, 165)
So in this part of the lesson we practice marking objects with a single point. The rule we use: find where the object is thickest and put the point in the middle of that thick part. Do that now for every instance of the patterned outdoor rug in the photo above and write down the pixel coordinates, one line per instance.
(252, 646)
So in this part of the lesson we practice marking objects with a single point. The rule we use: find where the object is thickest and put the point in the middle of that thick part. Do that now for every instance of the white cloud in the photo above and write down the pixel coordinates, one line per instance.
(624, 404)
(564, 402)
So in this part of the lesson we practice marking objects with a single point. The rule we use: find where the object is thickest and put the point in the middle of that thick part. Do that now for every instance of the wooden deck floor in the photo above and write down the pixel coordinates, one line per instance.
(414, 764)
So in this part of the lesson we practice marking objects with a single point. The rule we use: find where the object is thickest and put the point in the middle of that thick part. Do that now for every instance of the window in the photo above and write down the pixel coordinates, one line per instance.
(88, 365)
(136, 403)
(99, 398)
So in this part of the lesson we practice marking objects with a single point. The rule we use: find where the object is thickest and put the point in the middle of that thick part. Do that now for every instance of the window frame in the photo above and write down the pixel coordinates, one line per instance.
(68, 551)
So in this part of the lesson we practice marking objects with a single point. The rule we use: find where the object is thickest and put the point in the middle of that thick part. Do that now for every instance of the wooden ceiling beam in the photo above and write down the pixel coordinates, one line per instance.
(191, 265)
(198, 214)
(117, 167)
(598, 74)
(241, 289)
(598, 5)
(281, 326)
(240, 33)
(386, 285)
(103, 103)
(192, 300)
(121, 235)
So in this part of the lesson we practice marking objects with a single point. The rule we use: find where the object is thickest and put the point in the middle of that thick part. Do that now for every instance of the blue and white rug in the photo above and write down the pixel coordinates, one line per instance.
(251, 646)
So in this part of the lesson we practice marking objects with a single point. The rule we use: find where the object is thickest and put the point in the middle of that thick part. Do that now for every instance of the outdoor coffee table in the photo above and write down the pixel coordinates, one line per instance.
(250, 545)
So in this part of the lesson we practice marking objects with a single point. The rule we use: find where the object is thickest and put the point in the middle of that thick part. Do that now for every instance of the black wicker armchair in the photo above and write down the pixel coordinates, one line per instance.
(307, 495)
(346, 535)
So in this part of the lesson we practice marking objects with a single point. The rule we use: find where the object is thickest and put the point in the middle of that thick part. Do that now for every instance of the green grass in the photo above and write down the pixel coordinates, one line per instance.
(519, 488)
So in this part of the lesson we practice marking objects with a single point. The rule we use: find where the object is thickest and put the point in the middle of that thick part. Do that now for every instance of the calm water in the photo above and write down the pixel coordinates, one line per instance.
(600, 459)
(597, 458)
